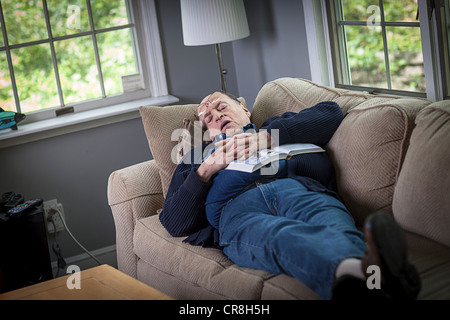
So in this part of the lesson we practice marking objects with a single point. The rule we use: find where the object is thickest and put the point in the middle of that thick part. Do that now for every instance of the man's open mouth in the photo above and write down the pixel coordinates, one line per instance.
(224, 124)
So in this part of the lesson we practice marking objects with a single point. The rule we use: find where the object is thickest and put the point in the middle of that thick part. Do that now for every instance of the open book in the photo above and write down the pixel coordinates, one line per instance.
(266, 156)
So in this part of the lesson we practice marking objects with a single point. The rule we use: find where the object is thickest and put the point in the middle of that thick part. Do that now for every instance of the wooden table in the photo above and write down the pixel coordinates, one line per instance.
(100, 283)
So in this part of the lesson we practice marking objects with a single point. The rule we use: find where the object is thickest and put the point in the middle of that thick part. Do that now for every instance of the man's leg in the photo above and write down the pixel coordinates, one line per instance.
(282, 227)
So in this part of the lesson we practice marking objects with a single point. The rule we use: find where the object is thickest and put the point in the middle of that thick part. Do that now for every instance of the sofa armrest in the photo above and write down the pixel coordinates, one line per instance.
(134, 192)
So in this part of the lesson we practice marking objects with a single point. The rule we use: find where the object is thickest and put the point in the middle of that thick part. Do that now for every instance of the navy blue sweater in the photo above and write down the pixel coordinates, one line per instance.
(184, 214)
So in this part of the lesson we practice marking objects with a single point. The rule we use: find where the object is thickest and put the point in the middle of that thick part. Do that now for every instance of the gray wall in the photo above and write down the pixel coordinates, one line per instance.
(276, 47)
(74, 168)
(192, 72)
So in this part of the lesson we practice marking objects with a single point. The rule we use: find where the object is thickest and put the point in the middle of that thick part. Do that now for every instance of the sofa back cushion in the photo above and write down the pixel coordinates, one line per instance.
(163, 127)
(421, 200)
(367, 151)
(289, 94)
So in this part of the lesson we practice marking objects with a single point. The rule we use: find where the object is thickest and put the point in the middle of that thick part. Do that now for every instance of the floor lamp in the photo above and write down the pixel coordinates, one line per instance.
(207, 22)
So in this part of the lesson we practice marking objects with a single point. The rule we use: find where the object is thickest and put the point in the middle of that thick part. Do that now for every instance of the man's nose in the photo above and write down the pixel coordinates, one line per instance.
(218, 115)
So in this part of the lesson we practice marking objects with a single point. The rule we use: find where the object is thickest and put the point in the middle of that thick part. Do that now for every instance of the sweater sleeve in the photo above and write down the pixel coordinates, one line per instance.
(312, 125)
(184, 207)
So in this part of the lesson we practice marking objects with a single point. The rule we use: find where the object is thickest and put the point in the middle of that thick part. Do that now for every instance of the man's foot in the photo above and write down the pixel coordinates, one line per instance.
(386, 248)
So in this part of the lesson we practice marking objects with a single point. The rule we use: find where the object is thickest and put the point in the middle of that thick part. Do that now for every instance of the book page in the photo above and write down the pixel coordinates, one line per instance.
(296, 148)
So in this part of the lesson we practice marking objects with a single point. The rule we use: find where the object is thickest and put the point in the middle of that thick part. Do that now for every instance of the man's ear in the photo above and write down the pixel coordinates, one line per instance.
(244, 107)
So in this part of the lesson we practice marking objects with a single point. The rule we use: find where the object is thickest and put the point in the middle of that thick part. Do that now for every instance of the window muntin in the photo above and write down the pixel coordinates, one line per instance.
(443, 16)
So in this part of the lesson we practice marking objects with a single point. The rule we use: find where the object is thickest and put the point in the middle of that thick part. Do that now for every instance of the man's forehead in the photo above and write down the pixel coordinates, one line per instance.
(201, 109)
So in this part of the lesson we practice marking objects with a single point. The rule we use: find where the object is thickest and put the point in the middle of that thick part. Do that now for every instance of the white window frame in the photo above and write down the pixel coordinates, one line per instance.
(93, 113)
(147, 48)
(321, 56)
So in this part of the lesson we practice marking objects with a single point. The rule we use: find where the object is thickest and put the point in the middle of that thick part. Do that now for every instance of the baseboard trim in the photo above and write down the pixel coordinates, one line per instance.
(106, 255)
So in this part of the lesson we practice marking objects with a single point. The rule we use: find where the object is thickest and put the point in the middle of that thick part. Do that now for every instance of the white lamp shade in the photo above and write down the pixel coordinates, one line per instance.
(213, 21)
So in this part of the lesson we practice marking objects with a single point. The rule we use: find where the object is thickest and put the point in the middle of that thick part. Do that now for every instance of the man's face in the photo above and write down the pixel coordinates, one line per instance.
(221, 114)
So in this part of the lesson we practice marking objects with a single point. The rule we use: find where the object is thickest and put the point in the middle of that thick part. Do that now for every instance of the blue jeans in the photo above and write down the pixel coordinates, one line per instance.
(282, 227)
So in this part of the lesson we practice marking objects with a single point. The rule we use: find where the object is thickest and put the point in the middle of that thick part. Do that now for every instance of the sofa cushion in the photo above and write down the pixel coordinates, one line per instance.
(163, 127)
(188, 139)
(289, 94)
(208, 268)
(432, 261)
(421, 200)
(367, 151)
(287, 288)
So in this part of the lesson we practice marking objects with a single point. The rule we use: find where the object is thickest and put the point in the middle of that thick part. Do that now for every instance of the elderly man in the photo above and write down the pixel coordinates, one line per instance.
(290, 222)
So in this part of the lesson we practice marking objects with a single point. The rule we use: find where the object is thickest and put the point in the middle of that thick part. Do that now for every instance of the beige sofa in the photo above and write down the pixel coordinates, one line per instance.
(390, 154)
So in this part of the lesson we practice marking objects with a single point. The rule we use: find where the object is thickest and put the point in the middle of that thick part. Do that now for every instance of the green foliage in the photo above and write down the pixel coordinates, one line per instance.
(365, 46)
(78, 72)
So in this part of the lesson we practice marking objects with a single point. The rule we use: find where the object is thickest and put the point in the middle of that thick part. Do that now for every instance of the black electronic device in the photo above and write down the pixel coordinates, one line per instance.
(18, 210)
(9, 200)
(24, 254)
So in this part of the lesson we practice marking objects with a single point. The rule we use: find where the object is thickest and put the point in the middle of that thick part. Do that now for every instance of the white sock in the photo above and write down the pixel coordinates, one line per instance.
(350, 266)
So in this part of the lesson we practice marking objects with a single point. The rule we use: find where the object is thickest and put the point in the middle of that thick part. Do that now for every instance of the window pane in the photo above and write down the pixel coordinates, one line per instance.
(366, 56)
(361, 10)
(6, 91)
(117, 58)
(68, 17)
(109, 13)
(24, 20)
(35, 77)
(77, 69)
(400, 10)
(1, 37)
(406, 58)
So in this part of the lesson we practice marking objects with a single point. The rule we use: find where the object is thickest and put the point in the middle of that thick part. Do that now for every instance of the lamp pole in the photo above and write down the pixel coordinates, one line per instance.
(222, 71)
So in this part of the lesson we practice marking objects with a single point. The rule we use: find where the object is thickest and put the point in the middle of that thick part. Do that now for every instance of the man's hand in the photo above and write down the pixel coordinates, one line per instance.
(240, 146)
(244, 145)
(217, 161)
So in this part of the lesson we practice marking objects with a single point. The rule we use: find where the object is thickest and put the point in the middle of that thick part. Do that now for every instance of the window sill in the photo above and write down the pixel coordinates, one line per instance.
(30, 132)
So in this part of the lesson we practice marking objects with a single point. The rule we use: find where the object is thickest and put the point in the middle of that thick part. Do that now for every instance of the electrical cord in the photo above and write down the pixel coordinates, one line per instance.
(57, 250)
(71, 235)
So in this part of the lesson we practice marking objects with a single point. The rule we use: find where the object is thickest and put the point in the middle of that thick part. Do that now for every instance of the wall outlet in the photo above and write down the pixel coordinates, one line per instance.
(50, 213)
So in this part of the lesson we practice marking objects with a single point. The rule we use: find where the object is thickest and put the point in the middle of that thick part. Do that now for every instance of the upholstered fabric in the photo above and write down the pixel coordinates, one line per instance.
(163, 127)
(422, 194)
(432, 261)
(188, 138)
(212, 267)
(133, 193)
(367, 151)
(288, 94)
